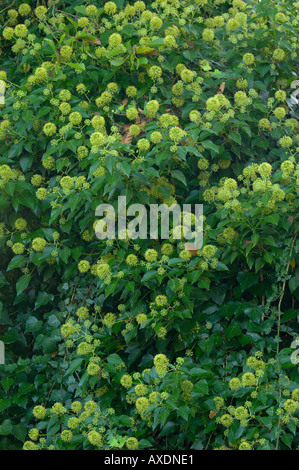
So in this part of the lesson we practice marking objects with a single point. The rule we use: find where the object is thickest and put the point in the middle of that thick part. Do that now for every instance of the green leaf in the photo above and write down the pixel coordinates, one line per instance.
(207, 144)
(16, 262)
(4, 404)
(247, 280)
(74, 366)
(5, 427)
(22, 283)
(177, 174)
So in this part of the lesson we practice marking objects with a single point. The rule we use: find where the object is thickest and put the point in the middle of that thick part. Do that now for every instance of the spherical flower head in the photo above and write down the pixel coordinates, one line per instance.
(8, 33)
(226, 420)
(156, 137)
(66, 435)
(82, 313)
(295, 394)
(281, 17)
(18, 248)
(185, 255)
(152, 108)
(161, 361)
(265, 170)
(76, 407)
(109, 320)
(58, 409)
(151, 255)
(208, 35)
(279, 112)
(230, 183)
(203, 164)
(241, 98)
(290, 406)
(40, 11)
(12, 14)
(244, 446)
(155, 72)
(141, 390)
(66, 52)
(131, 91)
(40, 74)
(100, 52)
(126, 381)
(232, 24)
(34, 434)
(142, 404)
(280, 95)
(287, 167)
(132, 260)
(132, 443)
(83, 21)
(213, 104)
(93, 369)
(132, 113)
(248, 58)
(39, 412)
(209, 251)
(103, 270)
(195, 116)
(248, 379)
(67, 330)
(176, 134)
(90, 406)
(29, 445)
(241, 413)
(20, 224)
(110, 8)
(264, 124)
(95, 438)
(98, 123)
(167, 249)
(50, 129)
(65, 108)
(41, 194)
(187, 75)
(141, 319)
(156, 23)
(115, 40)
(39, 244)
(234, 384)
(24, 9)
(75, 118)
(242, 83)
(219, 402)
(161, 300)
(84, 348)
(279, 54)
(21, 31)
(73, 422)
(66, 182)
(3, 77)
(169, 42)
(65, 95)
(83, 266)
(139, 6)
(286, 141)
(97, 139)
(143, 145)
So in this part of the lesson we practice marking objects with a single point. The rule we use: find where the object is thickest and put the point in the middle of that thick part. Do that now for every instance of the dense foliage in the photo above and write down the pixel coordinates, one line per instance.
(145, 344)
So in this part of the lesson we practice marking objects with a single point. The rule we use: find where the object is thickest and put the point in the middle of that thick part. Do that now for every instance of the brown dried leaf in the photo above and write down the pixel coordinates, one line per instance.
(221, 88)
(127, 138)
(96, 41)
